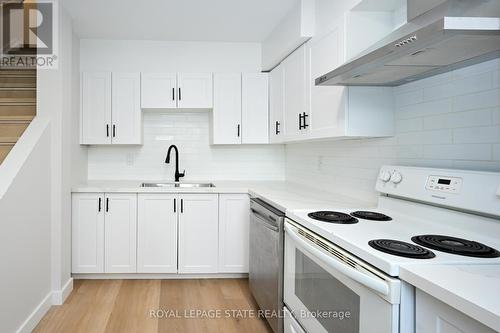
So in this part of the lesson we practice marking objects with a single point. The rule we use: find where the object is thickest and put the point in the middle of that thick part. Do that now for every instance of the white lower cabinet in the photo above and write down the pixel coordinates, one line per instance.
(233, 233)
(120, 232)
(157, 233)
(198, 233)
(104, 233)
(160, 233)
(88, 233)
(434, 316)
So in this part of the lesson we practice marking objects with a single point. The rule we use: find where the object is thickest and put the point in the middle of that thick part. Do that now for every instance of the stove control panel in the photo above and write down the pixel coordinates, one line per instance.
(444, 184)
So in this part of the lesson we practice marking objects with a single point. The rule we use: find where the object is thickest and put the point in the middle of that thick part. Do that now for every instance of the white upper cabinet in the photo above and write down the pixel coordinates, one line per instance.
(126, 110)
(110, 108)
(226, 117)
(327, 102)
(241, 108)
(95, 108)
(87, 233)
(295, 95)
(276, 126)
(233, 233)
(255, 108)
(198, 233)
(158, 90)
(176, 90)
(120, 233)
(194, 91)
(343, 112)
(157, 233)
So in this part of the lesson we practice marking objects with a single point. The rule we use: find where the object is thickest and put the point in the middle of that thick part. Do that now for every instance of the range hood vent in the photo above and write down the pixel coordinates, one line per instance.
(455, 34)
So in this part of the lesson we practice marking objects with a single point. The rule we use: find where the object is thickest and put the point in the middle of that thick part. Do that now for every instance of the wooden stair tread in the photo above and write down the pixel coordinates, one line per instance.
(8, 140)
(18, 100)
(18, 88)
(16, 119)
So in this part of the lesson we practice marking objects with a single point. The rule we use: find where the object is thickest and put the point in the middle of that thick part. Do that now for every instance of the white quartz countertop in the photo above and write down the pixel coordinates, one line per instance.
(282, 195)
(471, 289)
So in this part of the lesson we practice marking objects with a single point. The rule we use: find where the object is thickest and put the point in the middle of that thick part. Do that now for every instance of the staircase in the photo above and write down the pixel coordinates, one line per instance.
(17, 106)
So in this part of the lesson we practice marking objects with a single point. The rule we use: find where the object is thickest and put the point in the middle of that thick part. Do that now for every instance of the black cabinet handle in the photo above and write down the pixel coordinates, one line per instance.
(107, 205)
(99, 205)
(300, 121)
(114, 131)
(278, 127)
(175, 205)
(180, 96)
(173, 94)
(182, 205)
(304, 116)
(107, 130)
(239, 130)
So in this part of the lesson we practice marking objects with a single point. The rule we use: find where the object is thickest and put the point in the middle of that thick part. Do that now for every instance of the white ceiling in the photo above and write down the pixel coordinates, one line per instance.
(177, 20)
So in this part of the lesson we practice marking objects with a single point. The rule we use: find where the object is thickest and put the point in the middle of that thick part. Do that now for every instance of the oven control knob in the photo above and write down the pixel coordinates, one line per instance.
(396, 177)
(385, 176)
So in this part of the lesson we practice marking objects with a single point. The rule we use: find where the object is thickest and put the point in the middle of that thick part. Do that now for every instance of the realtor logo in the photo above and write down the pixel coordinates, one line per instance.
(29, 33)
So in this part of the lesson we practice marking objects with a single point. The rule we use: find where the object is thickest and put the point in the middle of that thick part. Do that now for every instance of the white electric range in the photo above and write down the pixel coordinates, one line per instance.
(340, 261)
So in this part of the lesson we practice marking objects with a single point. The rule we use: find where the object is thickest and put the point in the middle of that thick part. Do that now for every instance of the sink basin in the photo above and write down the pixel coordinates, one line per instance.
(175, 184)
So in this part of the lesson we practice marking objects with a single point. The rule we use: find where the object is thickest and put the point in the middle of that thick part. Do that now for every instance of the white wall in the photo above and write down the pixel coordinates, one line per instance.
(190, 132)
(57, 102)
(187, 129)
(25, 224)
(157, 56)
(451, 121)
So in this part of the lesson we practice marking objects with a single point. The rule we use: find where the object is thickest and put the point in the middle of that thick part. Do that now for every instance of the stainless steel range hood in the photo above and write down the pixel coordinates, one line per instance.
(454, 34)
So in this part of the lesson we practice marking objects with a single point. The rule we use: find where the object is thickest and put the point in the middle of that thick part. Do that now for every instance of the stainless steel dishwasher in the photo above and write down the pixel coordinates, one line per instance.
(266, 260)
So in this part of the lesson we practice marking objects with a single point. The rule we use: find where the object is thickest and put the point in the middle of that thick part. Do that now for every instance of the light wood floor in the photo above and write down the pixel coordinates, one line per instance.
(124, 306)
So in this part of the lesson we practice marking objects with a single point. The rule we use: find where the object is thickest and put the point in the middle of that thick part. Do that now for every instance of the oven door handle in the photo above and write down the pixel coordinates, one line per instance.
(368, 281)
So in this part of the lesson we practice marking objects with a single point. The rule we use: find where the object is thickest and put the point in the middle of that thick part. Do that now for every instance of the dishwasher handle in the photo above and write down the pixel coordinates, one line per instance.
(264, 220)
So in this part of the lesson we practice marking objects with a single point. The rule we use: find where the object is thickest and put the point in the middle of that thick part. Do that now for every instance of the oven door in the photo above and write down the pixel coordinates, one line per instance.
(329, 290)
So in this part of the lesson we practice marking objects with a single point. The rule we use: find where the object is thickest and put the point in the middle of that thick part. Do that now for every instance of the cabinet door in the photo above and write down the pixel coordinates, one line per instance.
(120, 233)
(295, 91)
(234, 216)
(198, 233)
(226, 117)
(157, 233)
(158, 90)
(255, 108)
(276, 126)
(328, 104)
(194, 91)
(96, 108)
(126, 114)
(87, 233)
(434, 316)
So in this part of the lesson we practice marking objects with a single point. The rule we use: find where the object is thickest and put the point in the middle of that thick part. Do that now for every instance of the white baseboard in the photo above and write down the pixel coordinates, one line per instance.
(155, 276)
(37, 315)
(59, 296)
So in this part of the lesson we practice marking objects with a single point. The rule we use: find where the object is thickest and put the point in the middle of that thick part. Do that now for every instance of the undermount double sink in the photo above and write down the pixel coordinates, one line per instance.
(177, 184)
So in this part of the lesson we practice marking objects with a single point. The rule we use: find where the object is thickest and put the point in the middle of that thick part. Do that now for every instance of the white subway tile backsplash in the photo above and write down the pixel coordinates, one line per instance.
(202, 161)
(450, 120)
(459, 119)
(477, 135)
(480, 152)
(496, 152)
(426, 137)
(425, 109)
(409, 125)
(480, 100)
(410, 97)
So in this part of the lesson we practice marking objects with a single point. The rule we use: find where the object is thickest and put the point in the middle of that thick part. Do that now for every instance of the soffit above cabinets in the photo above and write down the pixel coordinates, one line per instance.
(174, 20)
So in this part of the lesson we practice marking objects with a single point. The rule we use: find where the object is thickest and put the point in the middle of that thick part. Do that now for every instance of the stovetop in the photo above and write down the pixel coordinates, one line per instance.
(408, 219)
